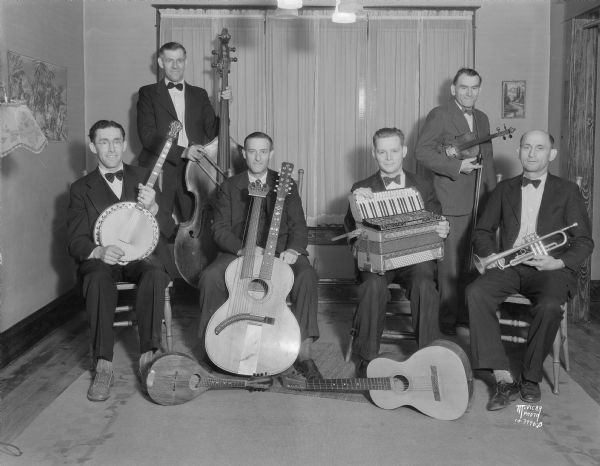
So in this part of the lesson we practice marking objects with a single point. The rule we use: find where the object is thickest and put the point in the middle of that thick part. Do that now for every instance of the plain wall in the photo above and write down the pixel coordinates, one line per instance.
(34, 187)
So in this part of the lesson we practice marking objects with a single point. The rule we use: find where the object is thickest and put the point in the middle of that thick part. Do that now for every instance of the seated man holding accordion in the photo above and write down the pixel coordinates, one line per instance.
(100, 267)
(418, 279)
(535, 202)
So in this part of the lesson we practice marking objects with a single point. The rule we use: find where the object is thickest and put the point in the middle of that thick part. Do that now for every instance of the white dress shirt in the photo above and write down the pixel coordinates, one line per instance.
(393, 184)
(178, 98)
(531, 199)
(117, 185)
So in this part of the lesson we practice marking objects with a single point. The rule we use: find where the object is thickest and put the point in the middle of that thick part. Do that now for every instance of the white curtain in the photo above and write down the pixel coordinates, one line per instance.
(322, 89)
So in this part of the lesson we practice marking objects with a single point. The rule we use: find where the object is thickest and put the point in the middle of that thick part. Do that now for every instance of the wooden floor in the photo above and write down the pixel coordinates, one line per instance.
(34, 380)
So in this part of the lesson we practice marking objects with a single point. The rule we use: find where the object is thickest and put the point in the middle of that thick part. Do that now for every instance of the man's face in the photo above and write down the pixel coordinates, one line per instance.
(466, 90)
(108, 145)
(257, 153)
(389, 154)
(173, 62)
(536, 153)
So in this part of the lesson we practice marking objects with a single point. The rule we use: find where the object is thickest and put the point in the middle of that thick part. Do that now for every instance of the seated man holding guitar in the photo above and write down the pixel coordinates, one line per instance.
(419, 279)
(101, 266)
(250, 298)
(535, 202)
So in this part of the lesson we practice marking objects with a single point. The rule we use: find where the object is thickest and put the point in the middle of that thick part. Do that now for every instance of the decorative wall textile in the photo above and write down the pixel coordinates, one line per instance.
(18, 128)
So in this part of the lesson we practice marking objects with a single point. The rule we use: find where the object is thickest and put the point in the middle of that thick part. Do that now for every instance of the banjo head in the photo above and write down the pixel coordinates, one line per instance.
(131, 228)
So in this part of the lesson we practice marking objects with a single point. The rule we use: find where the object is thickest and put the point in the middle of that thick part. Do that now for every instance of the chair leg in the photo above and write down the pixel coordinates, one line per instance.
(556, 362)
(168, 320)
(565, 341)
(350, 343)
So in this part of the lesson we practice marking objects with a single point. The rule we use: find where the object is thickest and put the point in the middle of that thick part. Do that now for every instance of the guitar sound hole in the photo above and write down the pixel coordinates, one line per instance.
(400, 383)
(258, 289)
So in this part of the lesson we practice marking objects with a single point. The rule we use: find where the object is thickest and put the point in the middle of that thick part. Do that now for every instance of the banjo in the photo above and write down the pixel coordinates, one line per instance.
(129, 225)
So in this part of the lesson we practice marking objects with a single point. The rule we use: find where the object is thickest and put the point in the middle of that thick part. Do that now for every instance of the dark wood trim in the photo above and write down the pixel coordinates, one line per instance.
(29, 331)
(321, 235)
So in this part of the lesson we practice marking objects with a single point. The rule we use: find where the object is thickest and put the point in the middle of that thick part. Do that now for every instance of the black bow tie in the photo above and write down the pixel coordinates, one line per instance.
(111, 176)
(468, 111)
(387, 180)
(177, 86)
(527, 181)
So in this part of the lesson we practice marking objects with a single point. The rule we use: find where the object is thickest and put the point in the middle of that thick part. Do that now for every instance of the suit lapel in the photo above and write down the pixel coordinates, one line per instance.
(458, 119)
(514, 197)
(548, 200)
(378, 185)
(164, 98)
(99, 193)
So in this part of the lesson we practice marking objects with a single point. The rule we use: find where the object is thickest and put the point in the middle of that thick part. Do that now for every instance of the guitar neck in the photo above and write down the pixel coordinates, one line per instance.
(222, 384)
(159, 163)
(349, 385)
(250, 246)
(266, 269)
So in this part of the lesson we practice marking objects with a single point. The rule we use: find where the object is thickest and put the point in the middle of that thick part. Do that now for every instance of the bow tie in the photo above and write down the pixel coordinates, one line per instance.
(387, 180)
(177, 86)
(111, 176)
(468, 111)
(527, 181)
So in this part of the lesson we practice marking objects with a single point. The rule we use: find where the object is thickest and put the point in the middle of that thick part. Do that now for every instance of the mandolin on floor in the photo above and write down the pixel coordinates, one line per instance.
(175, 378)
(436, 380)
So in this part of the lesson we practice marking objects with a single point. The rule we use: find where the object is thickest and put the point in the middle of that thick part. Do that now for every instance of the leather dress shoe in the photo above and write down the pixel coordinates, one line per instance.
(448, 329)
(530, 391)
(504, 394)
(100, 388)
(308, 369)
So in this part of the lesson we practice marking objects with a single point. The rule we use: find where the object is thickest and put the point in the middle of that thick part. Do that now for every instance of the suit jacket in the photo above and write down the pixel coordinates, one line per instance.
(155, 111)
(90, 196)
(561, 206)
(232, 212)
(455, 190)
(412, 180)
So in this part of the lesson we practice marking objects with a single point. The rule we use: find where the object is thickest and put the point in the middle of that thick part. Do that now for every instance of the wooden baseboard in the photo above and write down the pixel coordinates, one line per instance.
(26, 333)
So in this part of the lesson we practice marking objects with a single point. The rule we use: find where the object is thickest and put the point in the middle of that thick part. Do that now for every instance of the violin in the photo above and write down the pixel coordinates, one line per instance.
(465, 146)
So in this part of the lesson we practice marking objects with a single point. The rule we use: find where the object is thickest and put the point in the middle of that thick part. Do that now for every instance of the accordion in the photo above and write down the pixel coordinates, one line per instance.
(395, 230)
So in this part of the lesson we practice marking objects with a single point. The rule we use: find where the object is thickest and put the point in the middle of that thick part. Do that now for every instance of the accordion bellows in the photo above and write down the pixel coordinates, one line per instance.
(396, 230)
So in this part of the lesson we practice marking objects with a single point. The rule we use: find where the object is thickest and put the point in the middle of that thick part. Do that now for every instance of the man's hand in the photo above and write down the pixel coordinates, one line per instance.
(364, 192)
(226, 94)
(545, 262)
(468, 165)
(146, 195)
(443, 228)
(195, 153)
(289, 256)
(109, 254)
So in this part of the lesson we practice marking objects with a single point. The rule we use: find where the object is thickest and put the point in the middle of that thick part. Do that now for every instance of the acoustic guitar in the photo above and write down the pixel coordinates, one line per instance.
(255, 331)
(436, 380)
(466, 145)
(129, 225)
(176, 378)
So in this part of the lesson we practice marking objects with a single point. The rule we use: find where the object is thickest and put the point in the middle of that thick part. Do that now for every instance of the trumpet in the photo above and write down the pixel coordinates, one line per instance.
(532, 246)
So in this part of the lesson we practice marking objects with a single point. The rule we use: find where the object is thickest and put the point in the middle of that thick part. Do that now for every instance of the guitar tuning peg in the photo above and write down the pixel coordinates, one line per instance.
(214, 52)
(498, 128)
(234, 59)
(232, 49)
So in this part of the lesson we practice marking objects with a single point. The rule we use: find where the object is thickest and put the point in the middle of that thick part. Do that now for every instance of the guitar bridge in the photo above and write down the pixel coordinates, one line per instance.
(435, 386)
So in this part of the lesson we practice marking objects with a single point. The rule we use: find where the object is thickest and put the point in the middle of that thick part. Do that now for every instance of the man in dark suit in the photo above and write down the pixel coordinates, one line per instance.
(158, 105)
(534, 202)
(454, 181)
(98, 266)
(419, 280)
(229, 230)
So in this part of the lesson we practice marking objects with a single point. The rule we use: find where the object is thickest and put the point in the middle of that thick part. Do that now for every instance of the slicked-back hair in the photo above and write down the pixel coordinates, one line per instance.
(467, 72)
(259, 135)
(550, 137)
(386, 133)
(102, 124)
(171, 46)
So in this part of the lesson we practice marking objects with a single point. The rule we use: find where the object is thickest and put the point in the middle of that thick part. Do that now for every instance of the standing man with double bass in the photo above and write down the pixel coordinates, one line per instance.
(455, 182)
(174, 99)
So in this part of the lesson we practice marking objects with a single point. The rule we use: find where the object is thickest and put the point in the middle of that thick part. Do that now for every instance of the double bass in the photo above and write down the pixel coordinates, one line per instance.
(194, 247)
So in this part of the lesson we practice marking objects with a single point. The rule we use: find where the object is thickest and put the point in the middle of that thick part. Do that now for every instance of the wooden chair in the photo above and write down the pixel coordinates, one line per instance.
(122, 309)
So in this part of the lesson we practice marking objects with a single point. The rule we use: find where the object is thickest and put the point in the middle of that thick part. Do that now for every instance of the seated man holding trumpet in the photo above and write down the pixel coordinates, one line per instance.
(544, 268)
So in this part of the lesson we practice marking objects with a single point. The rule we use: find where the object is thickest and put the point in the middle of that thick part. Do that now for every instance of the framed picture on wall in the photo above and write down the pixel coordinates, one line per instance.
(513, 99)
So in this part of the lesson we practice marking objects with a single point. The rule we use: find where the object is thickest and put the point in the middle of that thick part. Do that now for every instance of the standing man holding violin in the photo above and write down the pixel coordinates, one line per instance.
(455, 180)
(173, 99)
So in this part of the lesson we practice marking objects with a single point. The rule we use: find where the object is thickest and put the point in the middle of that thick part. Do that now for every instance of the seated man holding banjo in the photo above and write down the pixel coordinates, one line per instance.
(520, 208)
(101, 264)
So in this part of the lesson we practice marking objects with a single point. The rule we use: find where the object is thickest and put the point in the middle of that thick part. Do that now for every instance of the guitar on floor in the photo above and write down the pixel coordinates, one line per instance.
(436, 380)
(176, 378)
